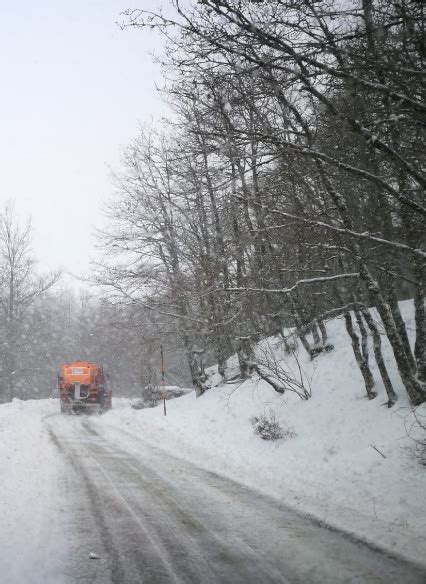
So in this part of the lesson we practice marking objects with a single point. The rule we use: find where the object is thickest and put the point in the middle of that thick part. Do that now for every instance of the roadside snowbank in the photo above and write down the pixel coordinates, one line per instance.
(30, 537)
(330, 469)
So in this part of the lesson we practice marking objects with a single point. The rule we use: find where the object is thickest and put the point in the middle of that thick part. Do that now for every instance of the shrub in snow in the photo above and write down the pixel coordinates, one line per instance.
(268, 428)
(275, 371)
(139, 405)
(415, 426)
(152, 395)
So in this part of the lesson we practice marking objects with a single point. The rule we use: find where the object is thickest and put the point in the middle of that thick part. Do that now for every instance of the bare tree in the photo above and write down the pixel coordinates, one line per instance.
(20, 288)
(301, 125)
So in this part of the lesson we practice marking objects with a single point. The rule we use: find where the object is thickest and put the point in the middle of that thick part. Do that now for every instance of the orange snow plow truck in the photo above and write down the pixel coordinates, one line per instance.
(83, 388)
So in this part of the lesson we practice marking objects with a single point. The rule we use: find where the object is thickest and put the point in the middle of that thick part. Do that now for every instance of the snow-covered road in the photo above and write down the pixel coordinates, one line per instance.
(154, 518)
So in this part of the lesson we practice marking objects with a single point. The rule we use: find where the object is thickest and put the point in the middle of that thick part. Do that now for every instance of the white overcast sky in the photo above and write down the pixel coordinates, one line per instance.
(74, 87)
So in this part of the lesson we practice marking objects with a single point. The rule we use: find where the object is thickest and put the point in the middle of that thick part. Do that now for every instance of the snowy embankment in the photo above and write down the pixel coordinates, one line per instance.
(31, 538)
(330, 468)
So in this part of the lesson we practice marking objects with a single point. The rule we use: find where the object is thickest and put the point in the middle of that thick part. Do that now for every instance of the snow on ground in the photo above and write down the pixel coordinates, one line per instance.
(30, 536)
(330, 469)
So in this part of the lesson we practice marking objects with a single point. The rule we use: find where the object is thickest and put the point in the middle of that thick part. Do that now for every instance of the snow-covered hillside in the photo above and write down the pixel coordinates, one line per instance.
(330, 468)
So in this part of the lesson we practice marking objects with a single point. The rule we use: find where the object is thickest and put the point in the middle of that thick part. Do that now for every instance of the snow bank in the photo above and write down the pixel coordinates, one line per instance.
(330, 469)
(30, 537)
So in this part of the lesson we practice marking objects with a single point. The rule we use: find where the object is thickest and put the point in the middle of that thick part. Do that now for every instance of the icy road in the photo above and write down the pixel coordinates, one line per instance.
(140, 515)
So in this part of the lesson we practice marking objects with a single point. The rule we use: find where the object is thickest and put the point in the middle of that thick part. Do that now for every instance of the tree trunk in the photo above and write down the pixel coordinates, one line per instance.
(360, 359)
(323, 331)
(326, 343)
(396, 313)
(315, 335)
(413, 387)
(419, 308)
(221, 359)
(196, 367)
(300, 334)
(364, 337)
(245, 357)
(377, 346)
(276, 386)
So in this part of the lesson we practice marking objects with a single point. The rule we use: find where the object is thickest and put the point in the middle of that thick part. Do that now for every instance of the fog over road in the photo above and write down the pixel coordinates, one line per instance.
(153, 518)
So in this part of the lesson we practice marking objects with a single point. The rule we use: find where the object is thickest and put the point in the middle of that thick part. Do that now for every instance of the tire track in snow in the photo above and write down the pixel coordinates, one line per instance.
(190, 529)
